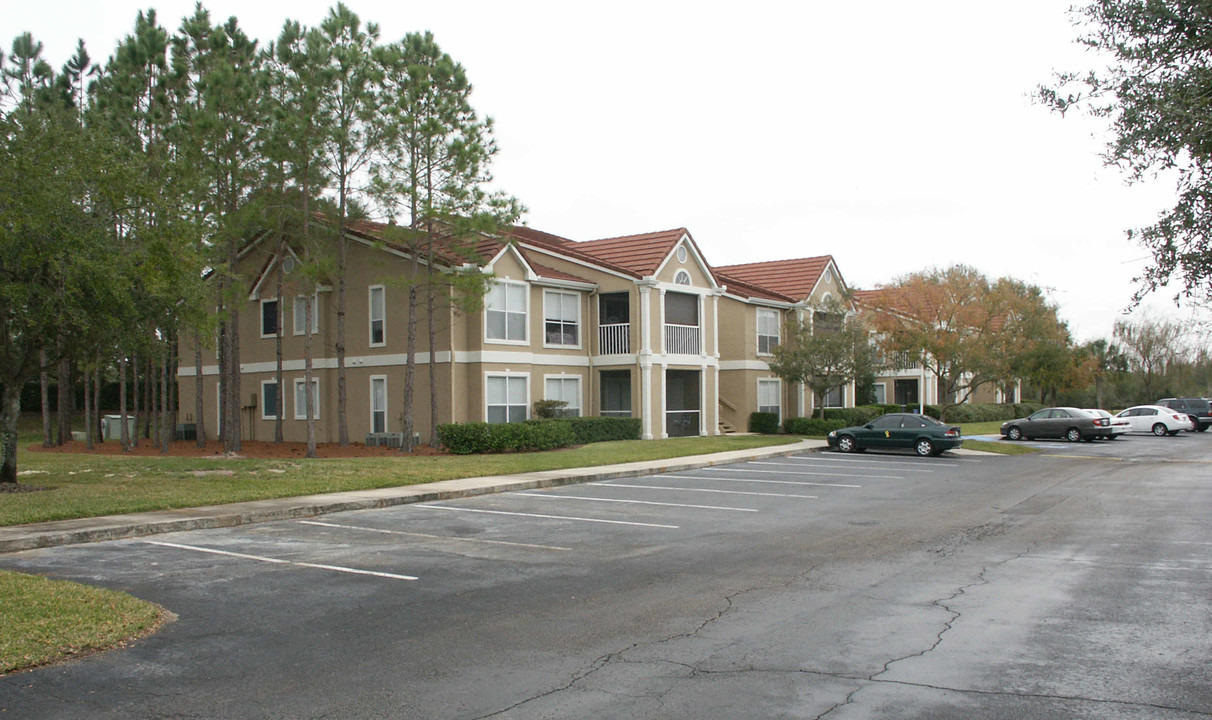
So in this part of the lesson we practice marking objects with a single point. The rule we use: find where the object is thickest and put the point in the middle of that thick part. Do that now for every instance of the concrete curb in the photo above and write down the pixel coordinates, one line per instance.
(116, 527)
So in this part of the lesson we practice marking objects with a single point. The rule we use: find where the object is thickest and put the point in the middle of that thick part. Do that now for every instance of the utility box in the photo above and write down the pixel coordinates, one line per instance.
(111, 427)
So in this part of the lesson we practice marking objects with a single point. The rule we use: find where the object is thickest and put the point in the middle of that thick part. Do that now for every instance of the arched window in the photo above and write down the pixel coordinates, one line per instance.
(682, 278)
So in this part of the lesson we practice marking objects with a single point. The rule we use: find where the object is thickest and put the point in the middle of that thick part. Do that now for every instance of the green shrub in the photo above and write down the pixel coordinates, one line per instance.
(860, 415)
(603, 429)
(812, 426)
(549, 408)
(765, 423)
(473, 438)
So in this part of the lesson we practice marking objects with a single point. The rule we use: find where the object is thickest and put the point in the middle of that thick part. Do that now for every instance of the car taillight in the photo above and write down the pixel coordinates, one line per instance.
(1179, 418)
(1102, 422)
(952, 432)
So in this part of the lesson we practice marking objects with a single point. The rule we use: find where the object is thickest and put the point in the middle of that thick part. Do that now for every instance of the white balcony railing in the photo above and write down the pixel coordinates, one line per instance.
(614, 339)
(682, 339)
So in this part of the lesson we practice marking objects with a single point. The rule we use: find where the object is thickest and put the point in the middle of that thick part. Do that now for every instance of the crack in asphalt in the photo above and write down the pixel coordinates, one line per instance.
(619, 655)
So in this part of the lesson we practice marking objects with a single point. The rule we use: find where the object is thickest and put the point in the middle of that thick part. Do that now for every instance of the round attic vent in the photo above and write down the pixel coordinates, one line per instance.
(288, 265)
(681, 253)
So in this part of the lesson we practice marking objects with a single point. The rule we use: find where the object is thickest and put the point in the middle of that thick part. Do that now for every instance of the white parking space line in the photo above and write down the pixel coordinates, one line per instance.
(545, 517)
(432, 537)
(854, 463)
(277, 561)
(706, 490)
(758, 480)
(633, 502)
(932, 462)
(803, 472)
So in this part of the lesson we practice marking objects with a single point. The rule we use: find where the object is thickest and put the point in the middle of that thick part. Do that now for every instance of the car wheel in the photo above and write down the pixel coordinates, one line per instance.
(1201, 428)
(924, 447)
(1173, 433)
(1014, 433)
(1073, 435)
(846, 444)
(1159, 430)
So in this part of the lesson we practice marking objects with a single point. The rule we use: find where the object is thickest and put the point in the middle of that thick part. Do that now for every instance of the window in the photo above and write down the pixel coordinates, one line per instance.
(881, 392)
(300, 316)
(378, 404)
(833, 397)
(561, 311)
(768, 331)
(769, 400)
(269, 318)
(506, 398)
(887, 422)
(269, 400)
(567, 389)
(681, 309)
(505, 312)
(301, 399)
(681, 278)
(378, 317)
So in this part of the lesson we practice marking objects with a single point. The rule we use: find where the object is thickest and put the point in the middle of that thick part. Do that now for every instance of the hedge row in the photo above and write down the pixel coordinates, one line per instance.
(478, 437)
(765, 423)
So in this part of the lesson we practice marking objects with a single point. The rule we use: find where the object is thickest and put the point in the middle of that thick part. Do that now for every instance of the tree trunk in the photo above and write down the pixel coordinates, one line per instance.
(88, 409)
(166, 425)
(153, 393)
(8, 431)
(97, 401)
(134, 381)
(65, 394)
(199, 403)
(433, 363)
(278, 344)
(342, 261)
(308, 395)
(124, 430)
(410, 368)
(48, 439)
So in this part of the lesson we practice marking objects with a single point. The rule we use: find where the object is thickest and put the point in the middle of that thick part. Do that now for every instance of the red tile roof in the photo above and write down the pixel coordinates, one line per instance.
(795, 278)
(642, 254)
(739, 287)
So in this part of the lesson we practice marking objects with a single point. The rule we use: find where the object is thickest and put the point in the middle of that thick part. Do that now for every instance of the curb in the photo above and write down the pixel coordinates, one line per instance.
(117, 527)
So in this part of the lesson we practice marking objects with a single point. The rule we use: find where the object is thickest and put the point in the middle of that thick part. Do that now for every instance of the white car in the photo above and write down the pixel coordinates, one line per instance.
(1119, 425)
(1156, 419)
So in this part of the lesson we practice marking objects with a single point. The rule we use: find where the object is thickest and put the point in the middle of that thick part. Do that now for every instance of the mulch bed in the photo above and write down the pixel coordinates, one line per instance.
(248, 449)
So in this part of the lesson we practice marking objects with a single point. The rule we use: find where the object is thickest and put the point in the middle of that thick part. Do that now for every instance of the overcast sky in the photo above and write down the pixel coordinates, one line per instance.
(892, 135)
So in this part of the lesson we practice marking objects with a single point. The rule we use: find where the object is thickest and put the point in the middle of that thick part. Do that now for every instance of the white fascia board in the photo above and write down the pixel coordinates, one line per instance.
(564, 284)
(692, 248)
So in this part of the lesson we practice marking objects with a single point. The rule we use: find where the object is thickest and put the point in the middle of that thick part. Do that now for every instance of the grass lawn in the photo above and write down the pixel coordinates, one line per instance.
(92, 485)
(44, 621)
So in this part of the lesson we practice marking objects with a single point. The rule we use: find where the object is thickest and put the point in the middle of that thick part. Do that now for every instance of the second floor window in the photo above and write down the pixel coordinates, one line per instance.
(505, 312)
(269, 318)
(378, 316)
(561, 313)
(300, 312)
(767, 331)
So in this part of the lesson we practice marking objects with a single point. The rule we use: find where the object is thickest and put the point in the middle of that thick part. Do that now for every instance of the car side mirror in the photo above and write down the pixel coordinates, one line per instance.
(868, 426)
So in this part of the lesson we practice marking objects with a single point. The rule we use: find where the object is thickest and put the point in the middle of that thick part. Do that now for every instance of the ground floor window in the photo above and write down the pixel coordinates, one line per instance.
(269, 400)
(378, 404)
(906, 392)
(616, 393)
(567, 389)
(880, 390)
(769, 397)
(834, 397)
(301, 399)
(506, 398)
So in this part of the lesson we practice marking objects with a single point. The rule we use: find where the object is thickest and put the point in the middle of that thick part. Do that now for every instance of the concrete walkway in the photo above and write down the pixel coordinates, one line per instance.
(114, 527)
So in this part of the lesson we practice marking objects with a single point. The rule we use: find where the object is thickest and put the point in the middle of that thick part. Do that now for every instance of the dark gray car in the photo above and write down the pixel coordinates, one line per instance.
(1072, 424)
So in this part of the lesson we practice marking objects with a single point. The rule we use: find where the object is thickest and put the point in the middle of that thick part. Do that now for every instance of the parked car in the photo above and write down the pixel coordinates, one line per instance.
(1156, 419)
(1119, 425)
(1199, 409)
(1070, 423)
(921, 433)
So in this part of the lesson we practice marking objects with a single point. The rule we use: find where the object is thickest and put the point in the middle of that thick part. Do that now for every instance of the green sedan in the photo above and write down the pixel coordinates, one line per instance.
(920, 433)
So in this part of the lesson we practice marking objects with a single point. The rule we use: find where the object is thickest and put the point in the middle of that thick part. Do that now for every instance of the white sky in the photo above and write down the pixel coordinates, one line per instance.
(892, 135)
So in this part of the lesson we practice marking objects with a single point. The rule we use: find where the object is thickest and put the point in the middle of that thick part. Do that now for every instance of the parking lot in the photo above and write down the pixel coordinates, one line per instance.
(777, 587)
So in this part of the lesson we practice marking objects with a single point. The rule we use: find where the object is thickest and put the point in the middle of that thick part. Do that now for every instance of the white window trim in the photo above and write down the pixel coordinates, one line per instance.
(370, 315)
(315, 315)
(580, 407)
(261, 318)
(506, 374)
(371, 403)
(526, 312)
(265, 410)
(301, 412)
(778, 383)
(759, 335)
(580, 325)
